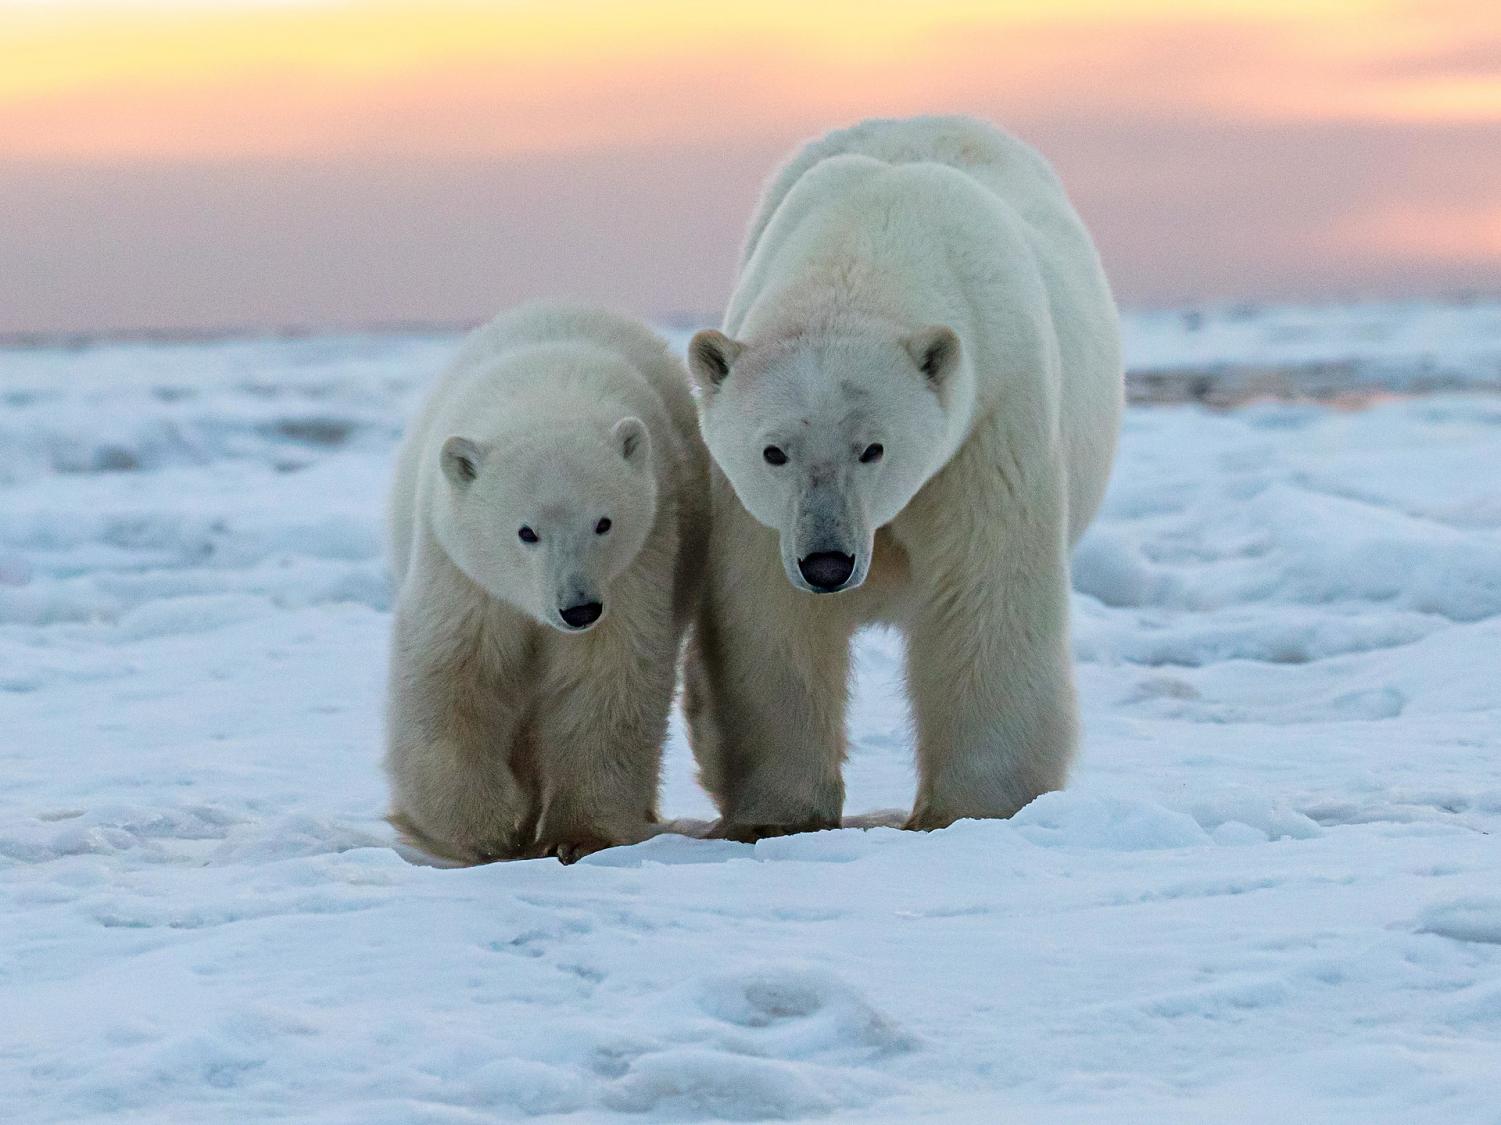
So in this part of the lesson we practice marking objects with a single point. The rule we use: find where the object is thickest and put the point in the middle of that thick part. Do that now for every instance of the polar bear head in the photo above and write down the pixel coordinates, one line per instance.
(825, 438)
(545, 517)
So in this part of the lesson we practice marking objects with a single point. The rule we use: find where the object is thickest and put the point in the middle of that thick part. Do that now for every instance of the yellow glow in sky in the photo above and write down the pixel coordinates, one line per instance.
(316, 161)
(211, 81)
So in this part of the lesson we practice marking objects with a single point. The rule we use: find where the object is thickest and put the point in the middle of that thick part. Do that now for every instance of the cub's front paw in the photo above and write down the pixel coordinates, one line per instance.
(463, 853)
(572, 848)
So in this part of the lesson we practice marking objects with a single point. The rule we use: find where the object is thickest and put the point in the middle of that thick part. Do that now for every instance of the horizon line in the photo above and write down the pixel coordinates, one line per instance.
(45, 339)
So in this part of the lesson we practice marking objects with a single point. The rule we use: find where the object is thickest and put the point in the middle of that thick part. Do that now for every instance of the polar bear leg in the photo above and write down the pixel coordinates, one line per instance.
(595, 758)
(992, 694)
(453, 792)
(596, 763)
(765, 701)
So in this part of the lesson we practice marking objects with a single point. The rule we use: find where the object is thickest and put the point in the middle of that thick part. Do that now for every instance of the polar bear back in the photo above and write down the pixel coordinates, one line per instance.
(1015, 171)
(473, 385)
(1019, 223)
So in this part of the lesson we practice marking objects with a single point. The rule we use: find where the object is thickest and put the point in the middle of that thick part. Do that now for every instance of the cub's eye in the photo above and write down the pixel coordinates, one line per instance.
(602, 527)
(773, 455)
(872, 454)
(527, 535)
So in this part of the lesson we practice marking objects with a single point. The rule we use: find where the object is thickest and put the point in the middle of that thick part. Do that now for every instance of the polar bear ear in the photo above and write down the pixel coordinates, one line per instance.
(631, 438)
(461, 460)
(935, 350)
(711, 354)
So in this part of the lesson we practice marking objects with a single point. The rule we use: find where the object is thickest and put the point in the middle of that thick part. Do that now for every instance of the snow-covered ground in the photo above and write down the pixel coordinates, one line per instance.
(1402, 345)
(1272, 894)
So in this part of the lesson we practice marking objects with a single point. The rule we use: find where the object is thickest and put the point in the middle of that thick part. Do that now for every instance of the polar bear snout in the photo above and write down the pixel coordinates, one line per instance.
(580, 617)
(826, 547)
(578, 604)
(826, 571)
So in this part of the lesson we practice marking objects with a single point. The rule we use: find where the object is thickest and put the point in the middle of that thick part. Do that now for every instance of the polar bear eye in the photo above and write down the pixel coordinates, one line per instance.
(873, 453)
(602, 527)
(773, 455)
(527, 534)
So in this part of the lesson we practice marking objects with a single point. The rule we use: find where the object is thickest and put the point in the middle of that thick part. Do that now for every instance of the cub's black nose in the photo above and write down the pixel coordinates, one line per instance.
(827, 571)
(581, 616)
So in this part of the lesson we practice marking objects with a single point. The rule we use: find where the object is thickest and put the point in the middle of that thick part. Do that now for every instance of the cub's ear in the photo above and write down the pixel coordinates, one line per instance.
(711, 354)
(935, 350)
(461, 460)
(631, 438)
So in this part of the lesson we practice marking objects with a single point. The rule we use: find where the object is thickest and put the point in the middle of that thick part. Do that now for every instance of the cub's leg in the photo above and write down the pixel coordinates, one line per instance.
(451, 731)
(601, 721)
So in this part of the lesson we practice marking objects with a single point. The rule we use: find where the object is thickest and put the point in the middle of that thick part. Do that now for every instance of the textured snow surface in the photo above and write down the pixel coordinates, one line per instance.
(1272, 894)
(1397, 344)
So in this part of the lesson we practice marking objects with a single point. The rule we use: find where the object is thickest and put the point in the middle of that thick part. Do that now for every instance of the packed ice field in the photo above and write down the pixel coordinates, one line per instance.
(1272, 893)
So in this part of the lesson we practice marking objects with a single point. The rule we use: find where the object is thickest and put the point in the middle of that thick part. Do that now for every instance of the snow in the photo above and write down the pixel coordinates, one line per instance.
(1272, 893)
(1407, 345)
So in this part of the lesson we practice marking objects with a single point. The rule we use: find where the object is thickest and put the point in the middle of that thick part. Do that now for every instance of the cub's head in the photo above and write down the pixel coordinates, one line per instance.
(825, 440)
(545, 518)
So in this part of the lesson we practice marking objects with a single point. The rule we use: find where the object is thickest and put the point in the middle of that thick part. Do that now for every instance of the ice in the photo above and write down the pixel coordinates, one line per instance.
(1248, 349)
(1269, 894)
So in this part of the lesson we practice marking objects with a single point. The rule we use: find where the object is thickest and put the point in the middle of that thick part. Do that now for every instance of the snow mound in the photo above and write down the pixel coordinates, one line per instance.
(1474, 920)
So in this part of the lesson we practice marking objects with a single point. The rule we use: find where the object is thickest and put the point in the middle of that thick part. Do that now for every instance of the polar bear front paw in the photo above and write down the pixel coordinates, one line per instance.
(572, 848)
(749, 833)
(466, 853)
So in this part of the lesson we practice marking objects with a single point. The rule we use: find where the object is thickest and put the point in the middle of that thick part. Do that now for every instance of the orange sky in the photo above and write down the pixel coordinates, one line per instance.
(336, 163)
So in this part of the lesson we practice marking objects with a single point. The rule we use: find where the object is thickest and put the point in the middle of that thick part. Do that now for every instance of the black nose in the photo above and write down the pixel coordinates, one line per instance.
(578, 616)
(827, 570)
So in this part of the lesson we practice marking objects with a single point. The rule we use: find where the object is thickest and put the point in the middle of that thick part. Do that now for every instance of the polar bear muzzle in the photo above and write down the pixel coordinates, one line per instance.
(826, 571)
(581, 616)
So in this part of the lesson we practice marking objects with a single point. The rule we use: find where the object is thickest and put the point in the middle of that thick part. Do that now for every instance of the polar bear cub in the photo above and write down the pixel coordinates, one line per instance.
(547, 524)
(912, 411)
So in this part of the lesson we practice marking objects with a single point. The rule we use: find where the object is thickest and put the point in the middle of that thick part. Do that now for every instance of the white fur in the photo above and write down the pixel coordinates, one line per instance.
(925, 286)
(509, 730)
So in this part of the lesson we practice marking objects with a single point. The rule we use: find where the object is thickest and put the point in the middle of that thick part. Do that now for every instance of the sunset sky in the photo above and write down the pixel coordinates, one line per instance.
(223, 164)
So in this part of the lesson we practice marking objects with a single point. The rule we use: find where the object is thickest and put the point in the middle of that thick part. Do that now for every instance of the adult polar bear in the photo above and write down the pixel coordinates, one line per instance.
(913, 408)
